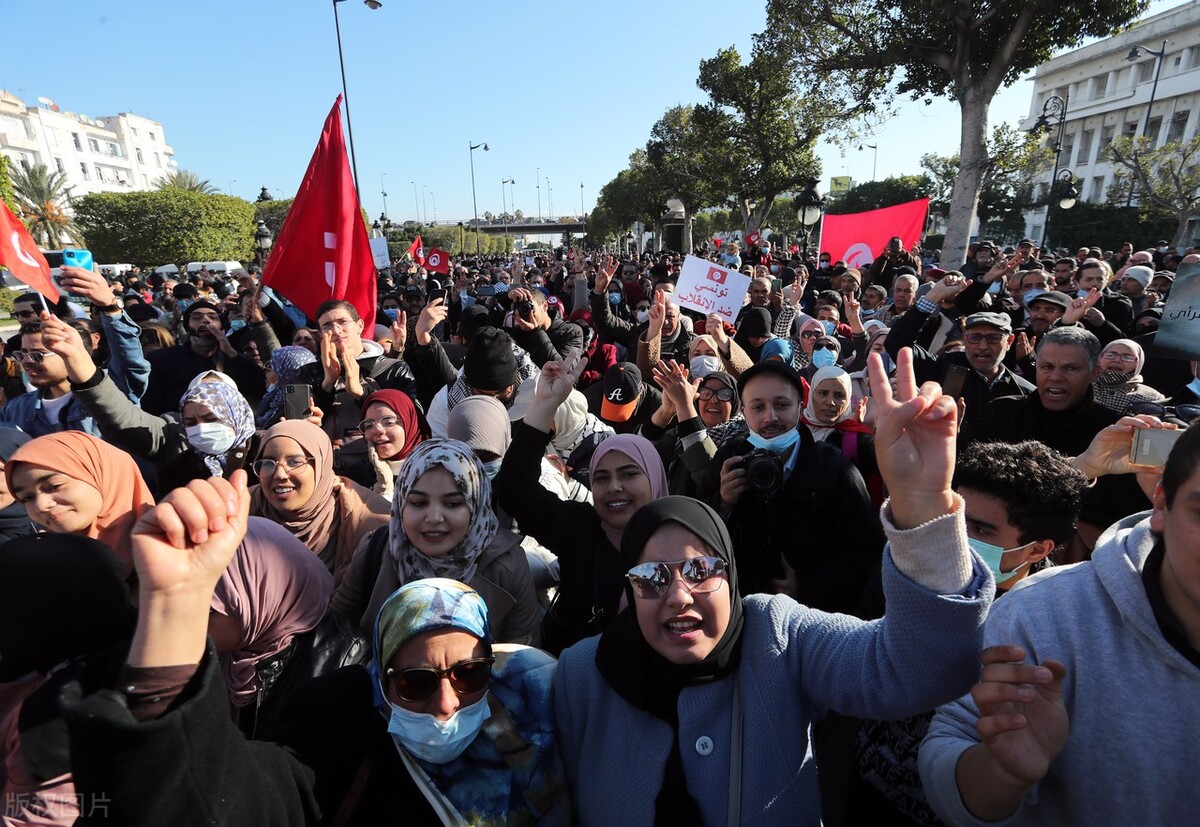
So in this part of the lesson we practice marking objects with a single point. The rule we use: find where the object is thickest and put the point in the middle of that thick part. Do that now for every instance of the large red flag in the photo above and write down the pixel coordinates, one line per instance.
(414, 250)
(20, 254)
(438, 261)
(859, 238)
(323, 251)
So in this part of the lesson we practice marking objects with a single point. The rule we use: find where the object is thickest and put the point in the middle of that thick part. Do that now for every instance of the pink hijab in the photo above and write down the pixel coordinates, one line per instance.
(277, 589)
(642, 452)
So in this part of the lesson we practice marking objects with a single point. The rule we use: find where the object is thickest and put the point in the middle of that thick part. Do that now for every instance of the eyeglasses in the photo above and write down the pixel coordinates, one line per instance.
(1187, 413)
(266, 467)
(339, 324)
(810, 334)
(384, 422)
(420, 682)
(23, 314)
(701, 575)
(1123, 357)
(723, 394)
(35, 356)
(990, 338)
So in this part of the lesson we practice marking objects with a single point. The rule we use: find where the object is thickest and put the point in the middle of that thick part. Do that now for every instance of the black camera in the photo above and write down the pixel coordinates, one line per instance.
(525, 310)
(764, 471)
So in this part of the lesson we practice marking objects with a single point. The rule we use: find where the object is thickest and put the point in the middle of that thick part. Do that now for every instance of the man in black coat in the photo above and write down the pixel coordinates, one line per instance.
(543, 337)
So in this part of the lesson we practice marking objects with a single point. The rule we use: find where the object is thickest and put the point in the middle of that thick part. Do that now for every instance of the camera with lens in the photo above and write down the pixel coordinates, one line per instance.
(764, 471)
(525, 310)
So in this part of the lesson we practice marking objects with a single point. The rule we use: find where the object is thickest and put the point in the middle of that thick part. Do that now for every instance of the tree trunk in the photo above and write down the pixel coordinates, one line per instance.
(973, 164)
(687, 233)
(1181, 232)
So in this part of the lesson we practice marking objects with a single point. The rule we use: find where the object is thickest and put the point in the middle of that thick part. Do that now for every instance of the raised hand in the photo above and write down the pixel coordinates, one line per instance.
(604, 275)
(180, 548)
(87, 283)
(947, 288)
(1080, 307)
(915, 430)
(676, 386)
(658, 314)
(1109, 451)
(400, 333)
(554, 385)
(327, 350)
(1023, 345)
(59, 337)
(431, 316)
(714, 326)
(1022, 721)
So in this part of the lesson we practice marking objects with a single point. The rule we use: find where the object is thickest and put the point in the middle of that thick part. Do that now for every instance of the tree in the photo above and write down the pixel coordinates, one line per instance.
(44, 199)
(185, 180)
(7, 195)
(761, 133)
(272, 213)
(681, 156)
(1088, 224)
(873, 195)
(860, 54)
(1165, 180)
(152, 228)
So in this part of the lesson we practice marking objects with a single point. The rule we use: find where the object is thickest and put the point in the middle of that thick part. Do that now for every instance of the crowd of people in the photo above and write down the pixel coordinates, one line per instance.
(544, 547)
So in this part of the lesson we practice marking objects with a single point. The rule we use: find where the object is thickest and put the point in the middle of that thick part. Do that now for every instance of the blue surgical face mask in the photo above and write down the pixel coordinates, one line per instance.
(1081, 293)
(392, 313)
(438, 742)
(1030, 295)
(824, 358)
(991, 555)
(492, 468)
(1194, 386)
(888, 364)
(614, 298)
(184, 304)
(995, 288)
(780, 444)
(236, 324)
(830, 327)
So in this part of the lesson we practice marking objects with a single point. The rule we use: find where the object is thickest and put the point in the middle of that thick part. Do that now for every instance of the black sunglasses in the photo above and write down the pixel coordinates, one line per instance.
(1185, 413)
(419, 683)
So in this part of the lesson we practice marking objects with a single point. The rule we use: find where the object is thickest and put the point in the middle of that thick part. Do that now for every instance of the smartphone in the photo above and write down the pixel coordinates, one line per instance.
(485, 291)
(296, 401)
(1151, 446)
(434, 295)
(776, 285)
(956, 375)
(77, 258)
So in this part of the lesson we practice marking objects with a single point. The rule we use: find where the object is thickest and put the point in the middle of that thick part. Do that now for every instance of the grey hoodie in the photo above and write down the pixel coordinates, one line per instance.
(1133, 700)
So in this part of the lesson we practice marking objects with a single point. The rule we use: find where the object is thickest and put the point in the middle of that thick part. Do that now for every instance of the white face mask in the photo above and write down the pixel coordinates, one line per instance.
(702, 366)
(438, 742)
(642, 315)
(211, 438)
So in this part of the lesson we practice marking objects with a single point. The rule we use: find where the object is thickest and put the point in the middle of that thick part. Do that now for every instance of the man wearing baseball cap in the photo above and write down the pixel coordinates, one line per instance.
(622, 400)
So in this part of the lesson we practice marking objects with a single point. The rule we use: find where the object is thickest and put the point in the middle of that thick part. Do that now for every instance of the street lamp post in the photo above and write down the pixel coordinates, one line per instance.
(629, 242)
(416, 202)
(549, 201)
(581, 210)
(263, 196)
(1135, 53)
(337, 26)
(262, 242)
(433, 198)
(504, 208)
(474, 203)
(462, 239)
(538, 186)
(424, 205)
(1064, 191)
(1054, 110)
(809, 206)
(874, 158)
(229, 189)
(383, 190)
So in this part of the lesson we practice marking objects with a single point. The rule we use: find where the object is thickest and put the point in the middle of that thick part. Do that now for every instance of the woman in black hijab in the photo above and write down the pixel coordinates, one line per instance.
(14, 521)
(754, 331)
(694, 706)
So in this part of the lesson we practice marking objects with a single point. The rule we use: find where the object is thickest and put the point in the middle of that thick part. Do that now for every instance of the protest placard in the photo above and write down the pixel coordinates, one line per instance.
(710, 288)
(1178, 334)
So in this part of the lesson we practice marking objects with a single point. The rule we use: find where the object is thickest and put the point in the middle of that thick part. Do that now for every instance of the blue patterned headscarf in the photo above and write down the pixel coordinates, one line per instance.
(286, 363)
(230, 407)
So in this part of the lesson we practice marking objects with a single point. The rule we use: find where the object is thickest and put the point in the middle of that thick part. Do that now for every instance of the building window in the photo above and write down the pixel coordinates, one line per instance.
(153, 137)
(1178, 124)
(78, 143)
(1153, 128)
(1098, 188)
(94, 145)
(1085, 146)
(1035, 231)
(1068, 149)
(58, 164)
(112, 150)
(1099, 86)
(84, 170)
(157, 160)
(1106, 138)
(100, 173)
(1131, 129)
(134, 131)
(140, 159)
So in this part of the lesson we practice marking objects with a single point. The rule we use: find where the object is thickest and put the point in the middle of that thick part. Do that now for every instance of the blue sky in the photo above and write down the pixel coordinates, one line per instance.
(243, 86)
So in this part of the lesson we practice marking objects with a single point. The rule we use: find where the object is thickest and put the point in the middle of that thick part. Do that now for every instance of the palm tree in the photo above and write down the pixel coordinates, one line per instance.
(186, 180)
(44, 198)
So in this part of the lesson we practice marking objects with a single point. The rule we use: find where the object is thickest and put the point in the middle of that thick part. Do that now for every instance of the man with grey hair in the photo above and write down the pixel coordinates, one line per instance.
(1063, 413)
(904, 294)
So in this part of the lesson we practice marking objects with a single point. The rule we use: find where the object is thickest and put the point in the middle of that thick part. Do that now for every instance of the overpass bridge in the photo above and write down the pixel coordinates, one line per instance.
(525, 227)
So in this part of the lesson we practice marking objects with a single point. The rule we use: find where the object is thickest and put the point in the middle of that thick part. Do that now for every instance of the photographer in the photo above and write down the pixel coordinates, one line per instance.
(885, 268)
(788, 499)
(545, 339)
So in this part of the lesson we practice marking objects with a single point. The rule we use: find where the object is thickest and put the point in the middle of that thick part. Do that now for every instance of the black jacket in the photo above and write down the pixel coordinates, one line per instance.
(173, 368)
(1014, 419)
(549, 345)
(626, 333)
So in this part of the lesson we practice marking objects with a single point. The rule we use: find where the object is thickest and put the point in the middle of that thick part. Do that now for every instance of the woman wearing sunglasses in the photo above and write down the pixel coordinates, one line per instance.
(443, 728)
(298, 489)
(694, 706)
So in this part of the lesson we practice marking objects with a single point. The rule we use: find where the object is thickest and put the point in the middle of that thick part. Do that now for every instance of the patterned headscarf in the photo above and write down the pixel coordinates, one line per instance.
(231, 409)
(286, 363)
(471, 479)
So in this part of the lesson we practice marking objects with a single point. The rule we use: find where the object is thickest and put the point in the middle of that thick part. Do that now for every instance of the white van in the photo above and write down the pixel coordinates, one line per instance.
(223, 266)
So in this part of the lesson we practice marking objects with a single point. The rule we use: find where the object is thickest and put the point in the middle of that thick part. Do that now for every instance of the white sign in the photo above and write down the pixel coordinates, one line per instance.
(379, 252)
(710, 288)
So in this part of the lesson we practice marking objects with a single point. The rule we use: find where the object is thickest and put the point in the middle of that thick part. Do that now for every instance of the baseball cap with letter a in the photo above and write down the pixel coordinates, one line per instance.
(622, 388)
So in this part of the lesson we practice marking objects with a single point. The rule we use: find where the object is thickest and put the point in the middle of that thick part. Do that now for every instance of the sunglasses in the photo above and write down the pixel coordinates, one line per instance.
(990, 338)
(1186, 413)
(35, 356)
(824, 346)
(419, 683)
(723, 394)
(701, 575)
(811, 334)
(23, 314)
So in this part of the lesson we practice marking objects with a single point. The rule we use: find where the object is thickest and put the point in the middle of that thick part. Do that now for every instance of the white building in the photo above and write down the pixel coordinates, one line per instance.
(1106, 95)
(111, 153)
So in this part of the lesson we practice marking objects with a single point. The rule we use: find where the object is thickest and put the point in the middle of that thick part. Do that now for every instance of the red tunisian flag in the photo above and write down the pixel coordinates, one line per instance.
(859, 238)
(414, 250)
(20, 254)
(438, 261)
(323, 251)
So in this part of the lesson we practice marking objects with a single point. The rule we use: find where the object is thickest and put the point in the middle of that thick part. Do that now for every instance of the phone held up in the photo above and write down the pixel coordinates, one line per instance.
(297, 399)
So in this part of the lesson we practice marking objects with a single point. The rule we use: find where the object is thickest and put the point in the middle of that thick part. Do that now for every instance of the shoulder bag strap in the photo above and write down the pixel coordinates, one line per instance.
(350, 800)
(447, 814)
(735, 758)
